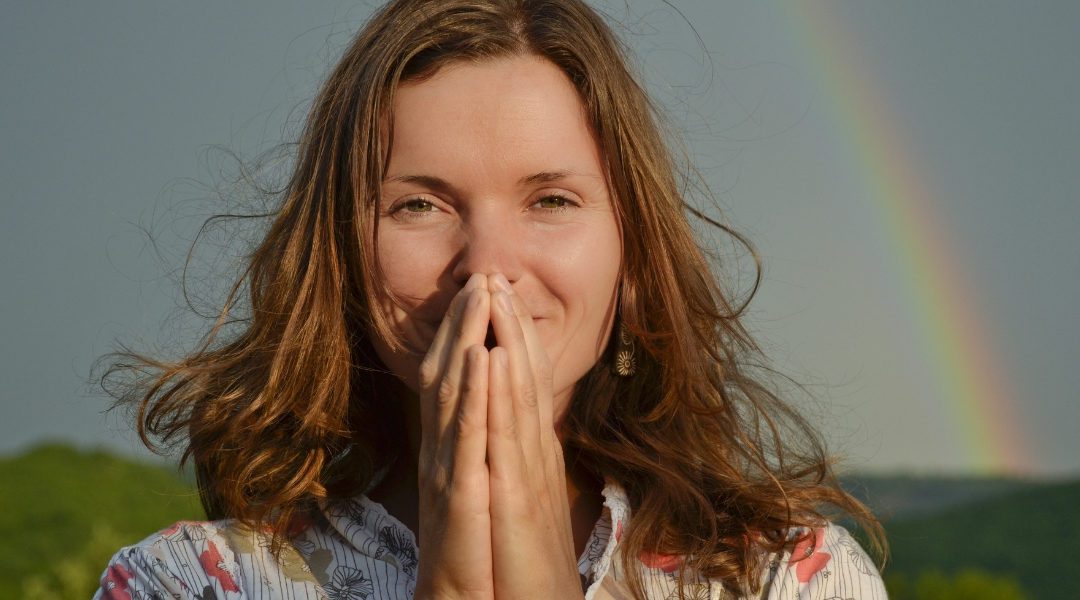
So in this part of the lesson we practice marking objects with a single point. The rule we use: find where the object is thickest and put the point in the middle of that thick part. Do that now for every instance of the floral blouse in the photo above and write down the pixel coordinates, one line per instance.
(355, 550)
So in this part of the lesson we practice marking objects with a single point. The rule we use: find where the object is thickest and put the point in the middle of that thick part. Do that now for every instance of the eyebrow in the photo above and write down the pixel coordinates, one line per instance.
(429, 181)
(441, 185)
(544, 177)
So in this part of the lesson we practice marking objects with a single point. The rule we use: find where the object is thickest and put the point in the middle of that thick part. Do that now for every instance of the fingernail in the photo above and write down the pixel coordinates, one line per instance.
(474, 281)
(500, 282)
(504, 302)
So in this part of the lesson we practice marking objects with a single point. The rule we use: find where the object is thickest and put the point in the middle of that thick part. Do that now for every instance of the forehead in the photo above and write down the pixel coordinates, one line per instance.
(495, 118)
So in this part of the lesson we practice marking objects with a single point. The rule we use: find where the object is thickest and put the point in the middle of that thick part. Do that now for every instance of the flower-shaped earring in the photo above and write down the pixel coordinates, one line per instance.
(625, 361)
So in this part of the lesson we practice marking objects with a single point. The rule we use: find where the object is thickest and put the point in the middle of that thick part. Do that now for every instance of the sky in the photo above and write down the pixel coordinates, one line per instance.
(908, 173)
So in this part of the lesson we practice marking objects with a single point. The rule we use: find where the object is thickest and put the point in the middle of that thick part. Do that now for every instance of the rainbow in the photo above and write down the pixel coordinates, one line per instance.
(956, 341)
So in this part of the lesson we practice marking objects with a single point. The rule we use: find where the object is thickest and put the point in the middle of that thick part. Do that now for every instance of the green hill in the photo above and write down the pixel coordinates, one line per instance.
(1029, 535)
(895, 497)
(63, 512)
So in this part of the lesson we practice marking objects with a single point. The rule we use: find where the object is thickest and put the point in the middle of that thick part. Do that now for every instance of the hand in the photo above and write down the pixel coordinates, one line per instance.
(531, 538)
(498, 528)
(455, 525)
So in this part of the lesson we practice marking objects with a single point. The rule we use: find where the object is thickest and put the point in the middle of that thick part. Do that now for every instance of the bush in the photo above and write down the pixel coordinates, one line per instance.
(968, 584)
(64, 512)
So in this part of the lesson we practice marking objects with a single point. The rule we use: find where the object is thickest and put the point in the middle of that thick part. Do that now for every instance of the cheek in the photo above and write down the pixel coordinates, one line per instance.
(411, 270)
(586, 280)
(592, 272)
(412, 267)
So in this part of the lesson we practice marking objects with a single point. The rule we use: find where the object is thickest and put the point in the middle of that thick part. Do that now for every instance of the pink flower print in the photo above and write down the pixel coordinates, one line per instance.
(176, 528)
(172, 529)
(184, 531)
(213, 565)
(618, 531)
(808, 557)
(114, 583)
(668, 563)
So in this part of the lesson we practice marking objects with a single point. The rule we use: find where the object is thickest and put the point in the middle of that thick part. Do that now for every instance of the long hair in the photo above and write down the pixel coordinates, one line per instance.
(296, 408)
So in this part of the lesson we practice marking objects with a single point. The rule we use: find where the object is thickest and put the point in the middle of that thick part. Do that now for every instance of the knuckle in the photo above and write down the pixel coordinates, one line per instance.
(432, 475)
(424, 466)
(468, 424)
(469, 386)
(544, 373)
(557, 459)
(529, 397)
(440, 478)
(506, 430)
(429, 371)
(466, 485)
(557, 449)
(447, 392)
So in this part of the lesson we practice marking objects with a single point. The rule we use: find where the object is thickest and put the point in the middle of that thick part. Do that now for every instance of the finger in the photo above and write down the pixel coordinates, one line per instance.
(523, 391)
(541, 363)
(546, 444)
(465, 324)
(505, 461)
(471, 435)
(434, 362)
(438, 351)
(549, 443)
(470, 331)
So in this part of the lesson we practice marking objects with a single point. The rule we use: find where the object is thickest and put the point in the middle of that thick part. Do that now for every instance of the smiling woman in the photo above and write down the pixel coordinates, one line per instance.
(494, 170)
(485, 357)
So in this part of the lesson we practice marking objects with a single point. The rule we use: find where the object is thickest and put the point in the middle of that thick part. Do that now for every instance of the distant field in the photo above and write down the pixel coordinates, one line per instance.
(1030, 534)
(901, 497)
(63, 512)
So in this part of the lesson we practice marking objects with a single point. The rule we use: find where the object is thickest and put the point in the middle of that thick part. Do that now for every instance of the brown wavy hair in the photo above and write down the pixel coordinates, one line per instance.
(296, 408)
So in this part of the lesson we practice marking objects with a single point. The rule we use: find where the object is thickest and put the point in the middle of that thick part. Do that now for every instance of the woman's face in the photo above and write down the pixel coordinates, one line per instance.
(494, 169)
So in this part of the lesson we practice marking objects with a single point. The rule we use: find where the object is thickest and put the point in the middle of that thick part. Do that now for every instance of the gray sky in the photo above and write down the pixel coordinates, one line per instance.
(108, 112)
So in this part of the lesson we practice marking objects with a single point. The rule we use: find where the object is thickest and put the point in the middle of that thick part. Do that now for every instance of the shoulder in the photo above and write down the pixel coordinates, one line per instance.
(198, 559)
(826, 562)
(186, 560)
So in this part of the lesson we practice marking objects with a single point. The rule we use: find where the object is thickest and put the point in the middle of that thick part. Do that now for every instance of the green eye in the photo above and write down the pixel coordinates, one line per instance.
(416, 205)
(552, 202)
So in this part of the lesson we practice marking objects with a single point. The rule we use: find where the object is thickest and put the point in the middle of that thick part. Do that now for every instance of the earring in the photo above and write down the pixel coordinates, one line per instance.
(625, 361)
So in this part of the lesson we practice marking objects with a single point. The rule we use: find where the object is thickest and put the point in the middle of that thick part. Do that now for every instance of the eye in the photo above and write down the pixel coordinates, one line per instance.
(417, 205)
(413, 208)
(554, 202)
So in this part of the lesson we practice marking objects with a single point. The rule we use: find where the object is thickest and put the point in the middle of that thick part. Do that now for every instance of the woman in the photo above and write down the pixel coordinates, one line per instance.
(485, 357)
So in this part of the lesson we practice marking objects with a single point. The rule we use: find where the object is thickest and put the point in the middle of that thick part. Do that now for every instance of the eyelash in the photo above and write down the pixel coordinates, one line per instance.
(403, 207)
(566, 203)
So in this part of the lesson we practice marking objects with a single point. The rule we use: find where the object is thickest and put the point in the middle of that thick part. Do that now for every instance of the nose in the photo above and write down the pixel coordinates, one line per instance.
(489, 245)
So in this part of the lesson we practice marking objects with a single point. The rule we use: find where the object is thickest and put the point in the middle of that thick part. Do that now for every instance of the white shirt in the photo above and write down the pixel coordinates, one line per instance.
(355, 550)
